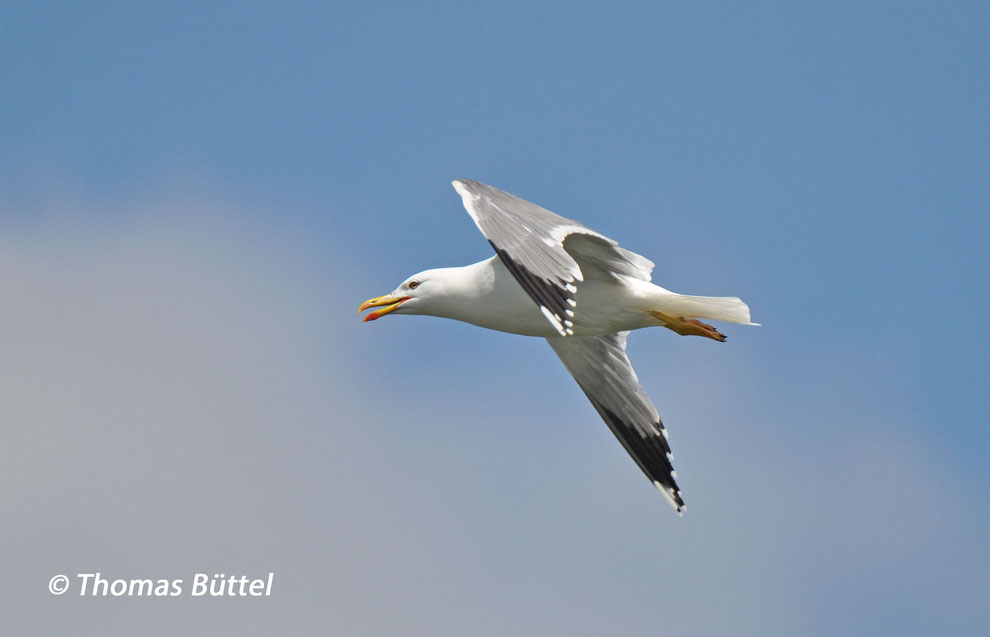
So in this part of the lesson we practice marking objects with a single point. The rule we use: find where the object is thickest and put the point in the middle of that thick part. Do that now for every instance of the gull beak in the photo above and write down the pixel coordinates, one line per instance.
(388, 303)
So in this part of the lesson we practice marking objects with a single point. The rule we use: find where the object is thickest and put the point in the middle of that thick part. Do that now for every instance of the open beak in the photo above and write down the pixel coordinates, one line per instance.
(388, 304)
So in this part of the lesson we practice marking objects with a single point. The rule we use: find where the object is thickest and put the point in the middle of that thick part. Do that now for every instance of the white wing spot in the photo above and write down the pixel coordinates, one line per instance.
(553, 319)
(670, 494)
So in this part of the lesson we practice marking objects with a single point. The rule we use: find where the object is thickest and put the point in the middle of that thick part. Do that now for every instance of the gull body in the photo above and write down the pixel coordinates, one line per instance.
(554, 278)
(487, 295)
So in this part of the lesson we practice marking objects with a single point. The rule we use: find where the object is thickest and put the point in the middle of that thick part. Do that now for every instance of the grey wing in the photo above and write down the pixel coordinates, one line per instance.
(601, 368)
(530, 241)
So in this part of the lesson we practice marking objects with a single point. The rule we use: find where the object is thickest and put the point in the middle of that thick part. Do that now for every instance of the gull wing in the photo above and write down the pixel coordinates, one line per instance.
(601, 368)
(530, 242)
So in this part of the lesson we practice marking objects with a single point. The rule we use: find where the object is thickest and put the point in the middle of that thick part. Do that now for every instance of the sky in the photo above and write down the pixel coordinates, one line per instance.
(196, 197)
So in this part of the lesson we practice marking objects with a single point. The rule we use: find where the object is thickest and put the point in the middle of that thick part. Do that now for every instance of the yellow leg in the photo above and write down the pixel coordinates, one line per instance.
(688, 327)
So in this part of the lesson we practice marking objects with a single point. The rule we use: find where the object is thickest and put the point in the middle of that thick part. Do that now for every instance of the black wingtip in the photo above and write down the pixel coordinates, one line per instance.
(651, 453)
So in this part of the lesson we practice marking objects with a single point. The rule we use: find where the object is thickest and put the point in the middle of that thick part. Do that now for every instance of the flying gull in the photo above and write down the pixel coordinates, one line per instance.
(555, 278)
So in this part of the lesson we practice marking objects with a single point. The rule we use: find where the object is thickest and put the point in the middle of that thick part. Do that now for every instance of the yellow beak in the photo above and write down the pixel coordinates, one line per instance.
(388, 304)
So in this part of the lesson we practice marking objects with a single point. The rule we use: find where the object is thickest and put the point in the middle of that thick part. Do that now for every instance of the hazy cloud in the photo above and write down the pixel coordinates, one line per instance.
(186, 389)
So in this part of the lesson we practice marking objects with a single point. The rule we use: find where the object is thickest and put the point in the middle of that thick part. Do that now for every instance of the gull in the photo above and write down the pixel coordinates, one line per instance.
(554, 278)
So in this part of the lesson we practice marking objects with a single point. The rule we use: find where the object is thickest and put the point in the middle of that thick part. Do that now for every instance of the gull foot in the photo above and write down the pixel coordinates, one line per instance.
(689, 327)
(695, 327)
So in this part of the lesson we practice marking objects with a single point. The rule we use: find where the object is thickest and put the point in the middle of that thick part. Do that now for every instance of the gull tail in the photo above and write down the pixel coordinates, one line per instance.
(730, 309)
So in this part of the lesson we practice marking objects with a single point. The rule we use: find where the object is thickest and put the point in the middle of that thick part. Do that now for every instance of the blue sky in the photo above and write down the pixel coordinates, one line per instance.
(195, 198)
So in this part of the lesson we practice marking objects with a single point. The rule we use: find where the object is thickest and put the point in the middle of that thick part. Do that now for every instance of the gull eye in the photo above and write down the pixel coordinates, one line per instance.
(413, 285)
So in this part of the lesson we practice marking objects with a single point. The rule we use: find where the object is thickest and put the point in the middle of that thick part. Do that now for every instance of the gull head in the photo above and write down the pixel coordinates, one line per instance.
(425, 293)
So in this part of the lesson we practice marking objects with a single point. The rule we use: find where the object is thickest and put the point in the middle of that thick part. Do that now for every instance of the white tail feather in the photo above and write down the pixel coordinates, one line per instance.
(730, 309)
